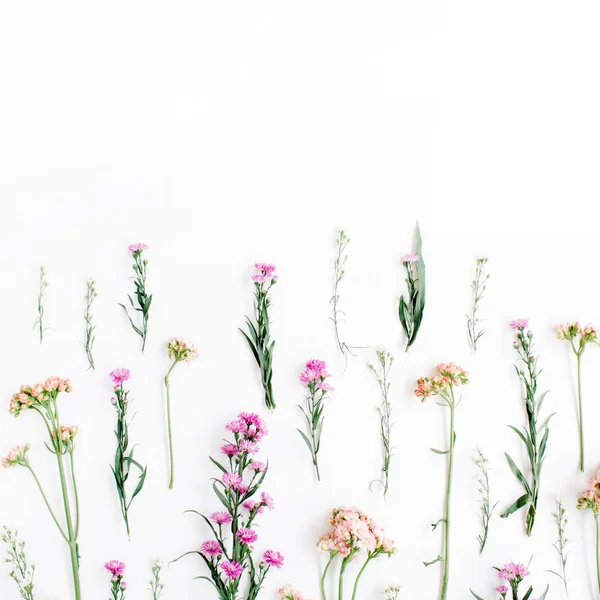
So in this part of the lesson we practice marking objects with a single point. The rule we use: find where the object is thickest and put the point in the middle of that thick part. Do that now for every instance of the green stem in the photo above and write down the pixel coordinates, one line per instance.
(597, 550)
(37, 481)
(358, 577)
(169, 427)
(579, 400)
(323, 595)
(341, 579)
(446, 558)
(72, 455)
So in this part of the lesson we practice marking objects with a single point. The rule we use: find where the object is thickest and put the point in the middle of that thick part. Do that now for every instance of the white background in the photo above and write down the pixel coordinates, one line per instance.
(228, 132)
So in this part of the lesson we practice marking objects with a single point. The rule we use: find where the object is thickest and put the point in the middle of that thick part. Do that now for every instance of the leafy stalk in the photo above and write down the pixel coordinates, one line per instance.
(485, 505)
(382, 373)
(90, 328)
(533, 436)
(156, 587)
(410, 310)
(560, 519)
(21, 572)
(41, 299)
(479, 287)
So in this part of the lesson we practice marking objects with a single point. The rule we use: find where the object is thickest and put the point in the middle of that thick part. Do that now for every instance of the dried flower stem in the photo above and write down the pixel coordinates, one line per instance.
(382, 373)
(90, 328)
(40, 303)
(560, 519)
(479, 287)
(21, 572)
(485, 505)
(156, 587)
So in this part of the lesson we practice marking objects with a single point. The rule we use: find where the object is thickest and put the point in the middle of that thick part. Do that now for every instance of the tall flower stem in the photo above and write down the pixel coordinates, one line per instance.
(446, 557)
(323, 595)
(341, 579)
(580, 403)
(355, 589)
(597, 550)
(169, 426)
(45, 498)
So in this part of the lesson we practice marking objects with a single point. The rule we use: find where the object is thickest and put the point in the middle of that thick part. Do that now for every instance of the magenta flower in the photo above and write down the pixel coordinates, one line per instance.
(512, 571)
(221, 518)
(115, 567)
(230, 450)
(249, 447)
(119, 376)
(231, 480)
(267, 500)
(265, 273)
(258, 466)
(502, 589)
(273, 559)
(232, 569)
(247, 536)
(409, 258)
(211, 548)
(519, 324)
(137, 247)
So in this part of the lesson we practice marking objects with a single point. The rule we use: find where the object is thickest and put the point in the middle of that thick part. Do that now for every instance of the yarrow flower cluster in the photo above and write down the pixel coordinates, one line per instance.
(535, 439)
(289, 593)
(42, 398)
(578, 337)
(590, 500)
(314, 379)
(513, 574)
(410, 310)
(180, 350)
(118, 584)
(230, 552)
(143, 300)
(259, 328)
(352, 533)
(124, 462)
(443, 384)
(21, 571)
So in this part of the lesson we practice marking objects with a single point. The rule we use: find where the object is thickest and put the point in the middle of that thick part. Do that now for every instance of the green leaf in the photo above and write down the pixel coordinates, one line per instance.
(518, 504)
(307, 441)
(517, 473)
(528, 593)
(439, 451)
(438, 559)
(214, 462)
(475, 595)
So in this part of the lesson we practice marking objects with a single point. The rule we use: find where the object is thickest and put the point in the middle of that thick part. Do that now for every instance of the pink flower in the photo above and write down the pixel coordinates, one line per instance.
(519, 324)
(137, 247)
(182, 349)
(258, 466)
(326, 387)
(315, 372)
(230, 450)
(267, 500)
(249, 447)
(120, 376)
(231, 480)
(511, 571)
(232, 569)
(251, 505)
(16, 456)
(265, 273)
(115, 567)
(273, 559)
(502, 589)
(408, 258)
(211, 548)
(247, 536)
(221, 518)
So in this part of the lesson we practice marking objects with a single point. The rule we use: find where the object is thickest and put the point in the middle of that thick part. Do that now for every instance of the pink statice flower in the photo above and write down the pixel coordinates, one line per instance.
(137, 247)
(409, 258)
(221, 518)
(519, 324)
(116, 568)
(181, 349)
(273, 559)
(120, 376)
(231, 569)
(211, 548)
(264, 274)
(17, 456)
(246, 535)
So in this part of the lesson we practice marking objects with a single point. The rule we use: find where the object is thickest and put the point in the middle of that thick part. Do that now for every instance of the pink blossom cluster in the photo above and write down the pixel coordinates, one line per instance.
(519, 324)
(248, 427)
(588, 334)
(67, 433)
(116, 568)
(351, 531)
(38, 394)
(139, 247)
(591, 497)
(449, 374)
(182, 349)
(264, 273)
(410, 258)
(17, 456)
(288, 593)
(120, 376)
(315, 375)
(513, 572)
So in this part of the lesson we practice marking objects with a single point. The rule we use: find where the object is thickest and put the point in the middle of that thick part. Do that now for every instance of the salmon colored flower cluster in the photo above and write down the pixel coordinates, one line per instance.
(591, 497)
(67, 436)
(181, 349)
(17, 456)
(449, 374)
(587, 334)
(288, 593)
(38, 394)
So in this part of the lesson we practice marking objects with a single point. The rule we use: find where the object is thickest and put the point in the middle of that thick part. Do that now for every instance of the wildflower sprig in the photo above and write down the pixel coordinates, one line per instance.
(179, 350)
(229, 553)
(533, 436)
(590, 500)
(382, 374)
(410, 311)
(124, 462)
(391, 593)
(156, 587)
(560, 519)
(21, 571)
(443, 385)
(479, 286)
(90, 327)
(42, 398)
(579, 337)
(353, 534)
(486, 508)
(513, 574)
(41, 300)
(259, 329)
(117, 581)
(143, 299)
(314, 379)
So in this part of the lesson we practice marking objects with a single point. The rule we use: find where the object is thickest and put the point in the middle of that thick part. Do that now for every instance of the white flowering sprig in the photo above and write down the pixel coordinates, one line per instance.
(21, 571)
(486, 508)
(41, 299)
(143, 300)
(382, 373)
(179, 350)
(90, 327)
(479, 286)
(579, 337)
(156, 587)
(42, 398)
(560, 519)
(391, 593)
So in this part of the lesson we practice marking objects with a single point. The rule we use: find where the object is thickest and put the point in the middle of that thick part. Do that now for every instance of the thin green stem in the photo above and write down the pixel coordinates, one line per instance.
(597, 550)
(341, 579)
(359, 576)
(46, 501)
(169, 426)
(72, 456)
(323, 595)
(446, 558)
(580, 402)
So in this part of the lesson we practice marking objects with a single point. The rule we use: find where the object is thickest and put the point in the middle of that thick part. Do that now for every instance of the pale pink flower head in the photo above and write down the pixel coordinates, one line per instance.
(513, 571)
(231, 569)
(231, 480)
(455, 374)
(267, 500)
(264, 273)
(139, 247)
(17, 456)
(250, 426)
(56, 384)
(211, 548)
(273, 559)
(248, 447)
(258, 466)
(120, 376)
(314, 376)
(247, 536)
(409, 258)
(450, 374)
(502, 589)
(221, 518)
(116, 568)
(519, 324)
(230, 449)
(182, 349)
